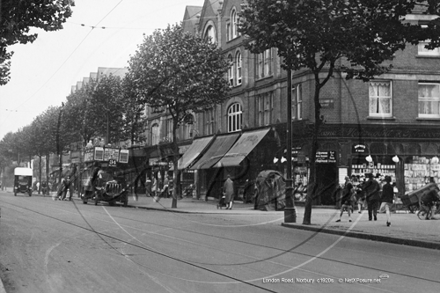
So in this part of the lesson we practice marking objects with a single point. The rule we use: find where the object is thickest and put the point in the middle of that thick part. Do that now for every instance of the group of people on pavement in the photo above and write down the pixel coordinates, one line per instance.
(369, 193)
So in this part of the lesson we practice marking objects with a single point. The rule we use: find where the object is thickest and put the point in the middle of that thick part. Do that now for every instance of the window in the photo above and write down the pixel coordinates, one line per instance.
(234, 24)
(238, 61)
(422, 51)
(210, 34)
(235, 116)
(380, 99)
(264, 64)
(169, 133)
(429, 100)
(265, 108)
(155, 134)
(231, 71)
(209, 121)
(296, 102)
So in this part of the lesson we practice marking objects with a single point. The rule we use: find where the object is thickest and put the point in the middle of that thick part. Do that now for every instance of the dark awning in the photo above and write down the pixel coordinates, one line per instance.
(194, 151)
(216, 151)
(244, 145)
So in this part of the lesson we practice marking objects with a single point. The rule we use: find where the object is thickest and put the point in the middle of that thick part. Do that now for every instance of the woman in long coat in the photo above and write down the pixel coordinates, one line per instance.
(228, 190)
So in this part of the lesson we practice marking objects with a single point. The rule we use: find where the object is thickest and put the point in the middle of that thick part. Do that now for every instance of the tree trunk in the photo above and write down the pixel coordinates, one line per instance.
(312, 186)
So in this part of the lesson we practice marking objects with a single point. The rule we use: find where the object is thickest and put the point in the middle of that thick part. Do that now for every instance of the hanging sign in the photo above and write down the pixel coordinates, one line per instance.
(326, 157)
(359, 149)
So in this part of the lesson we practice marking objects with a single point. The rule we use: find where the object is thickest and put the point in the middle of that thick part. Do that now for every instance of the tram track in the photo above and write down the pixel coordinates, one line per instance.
(201, 265)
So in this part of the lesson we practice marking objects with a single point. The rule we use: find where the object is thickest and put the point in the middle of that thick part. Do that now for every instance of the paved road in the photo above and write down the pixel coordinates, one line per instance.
(54, 246)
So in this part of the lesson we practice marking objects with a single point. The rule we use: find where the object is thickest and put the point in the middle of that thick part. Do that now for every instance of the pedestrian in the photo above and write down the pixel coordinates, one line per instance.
(228, 191)
(154, 189)
(346, 199)
(165, 189)
(372, 190)
(387, 199)
(148, 186)
(360, 195)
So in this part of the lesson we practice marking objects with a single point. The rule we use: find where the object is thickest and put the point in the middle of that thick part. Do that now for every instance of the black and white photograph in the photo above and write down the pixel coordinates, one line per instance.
(194, 146)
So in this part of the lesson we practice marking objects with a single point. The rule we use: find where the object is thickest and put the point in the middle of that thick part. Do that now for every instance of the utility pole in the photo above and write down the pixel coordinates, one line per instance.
(289, 211)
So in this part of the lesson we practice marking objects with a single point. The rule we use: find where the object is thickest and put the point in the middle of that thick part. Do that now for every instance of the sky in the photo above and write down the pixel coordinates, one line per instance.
(43, 72)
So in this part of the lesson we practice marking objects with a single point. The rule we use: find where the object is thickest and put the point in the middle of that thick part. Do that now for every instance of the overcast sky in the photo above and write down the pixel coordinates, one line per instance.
(43, 72)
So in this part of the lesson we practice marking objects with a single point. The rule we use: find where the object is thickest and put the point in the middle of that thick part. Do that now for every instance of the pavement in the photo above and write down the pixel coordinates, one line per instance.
(406, 228)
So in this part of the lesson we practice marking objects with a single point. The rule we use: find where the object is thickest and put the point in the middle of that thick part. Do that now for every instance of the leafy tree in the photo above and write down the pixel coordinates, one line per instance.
(78, 115)
(180, 72)
(17, 17)
(357, 38)
(105, 109)
(134, 119)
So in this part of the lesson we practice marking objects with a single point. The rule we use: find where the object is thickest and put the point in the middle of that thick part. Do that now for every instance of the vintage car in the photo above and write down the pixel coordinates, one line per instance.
(22, 180)
(104, 184)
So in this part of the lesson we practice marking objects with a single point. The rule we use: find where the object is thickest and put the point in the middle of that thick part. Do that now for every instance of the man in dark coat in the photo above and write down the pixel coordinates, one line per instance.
(372, 190)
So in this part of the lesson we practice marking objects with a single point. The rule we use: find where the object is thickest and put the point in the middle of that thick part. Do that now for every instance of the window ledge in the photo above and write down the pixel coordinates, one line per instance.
(428, 118)
(263, 78)
(380, 118)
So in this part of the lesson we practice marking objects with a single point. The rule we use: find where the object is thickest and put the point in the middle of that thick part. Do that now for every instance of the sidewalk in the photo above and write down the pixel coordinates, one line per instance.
(405, 229)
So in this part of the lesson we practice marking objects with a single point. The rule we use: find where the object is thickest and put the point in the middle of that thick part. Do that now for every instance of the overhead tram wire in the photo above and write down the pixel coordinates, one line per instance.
(65, 61)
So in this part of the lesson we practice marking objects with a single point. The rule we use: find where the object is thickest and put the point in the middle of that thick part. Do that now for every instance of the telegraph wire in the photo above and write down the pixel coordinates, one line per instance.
(65, 61)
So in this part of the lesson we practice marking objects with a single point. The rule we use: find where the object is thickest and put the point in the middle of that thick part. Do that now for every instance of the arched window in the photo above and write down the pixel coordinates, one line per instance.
(238, 61)
(231, 70)
(210, 33)
(235, 117)
(155, 134)
(234, 24)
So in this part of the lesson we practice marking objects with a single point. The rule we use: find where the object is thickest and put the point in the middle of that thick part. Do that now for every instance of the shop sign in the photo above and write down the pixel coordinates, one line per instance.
(326, 157)
(359, 149)
(112, 162)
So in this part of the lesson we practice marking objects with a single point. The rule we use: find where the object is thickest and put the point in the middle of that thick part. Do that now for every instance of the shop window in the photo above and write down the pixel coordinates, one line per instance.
(235, 116)
(380, 101)
(264, 64)
(265, 108)
(297, 102)
(238, 63)
(429, 99)
(422, 51)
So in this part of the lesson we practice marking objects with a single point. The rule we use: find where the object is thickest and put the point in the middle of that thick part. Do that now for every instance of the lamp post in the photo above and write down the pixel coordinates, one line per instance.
(289, 211)
(58, 142)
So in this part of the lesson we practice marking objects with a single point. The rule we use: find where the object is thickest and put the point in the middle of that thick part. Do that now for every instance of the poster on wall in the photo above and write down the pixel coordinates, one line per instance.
(88, 155)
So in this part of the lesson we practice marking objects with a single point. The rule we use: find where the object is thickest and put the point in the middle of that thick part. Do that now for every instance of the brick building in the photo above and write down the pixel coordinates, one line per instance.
(393, 120)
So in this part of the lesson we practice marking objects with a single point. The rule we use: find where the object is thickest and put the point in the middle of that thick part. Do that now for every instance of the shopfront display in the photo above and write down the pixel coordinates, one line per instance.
(419, 171)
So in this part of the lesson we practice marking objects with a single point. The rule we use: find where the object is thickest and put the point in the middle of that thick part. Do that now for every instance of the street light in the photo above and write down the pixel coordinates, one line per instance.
(289, 211)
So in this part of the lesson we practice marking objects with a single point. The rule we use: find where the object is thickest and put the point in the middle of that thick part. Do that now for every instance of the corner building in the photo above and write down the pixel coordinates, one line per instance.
(389, 125)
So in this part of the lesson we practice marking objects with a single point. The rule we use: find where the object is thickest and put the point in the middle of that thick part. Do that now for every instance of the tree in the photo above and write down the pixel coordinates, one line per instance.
(18, 17)
(106, 108)
(180, 72)
(357, 38)
(134, 119)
